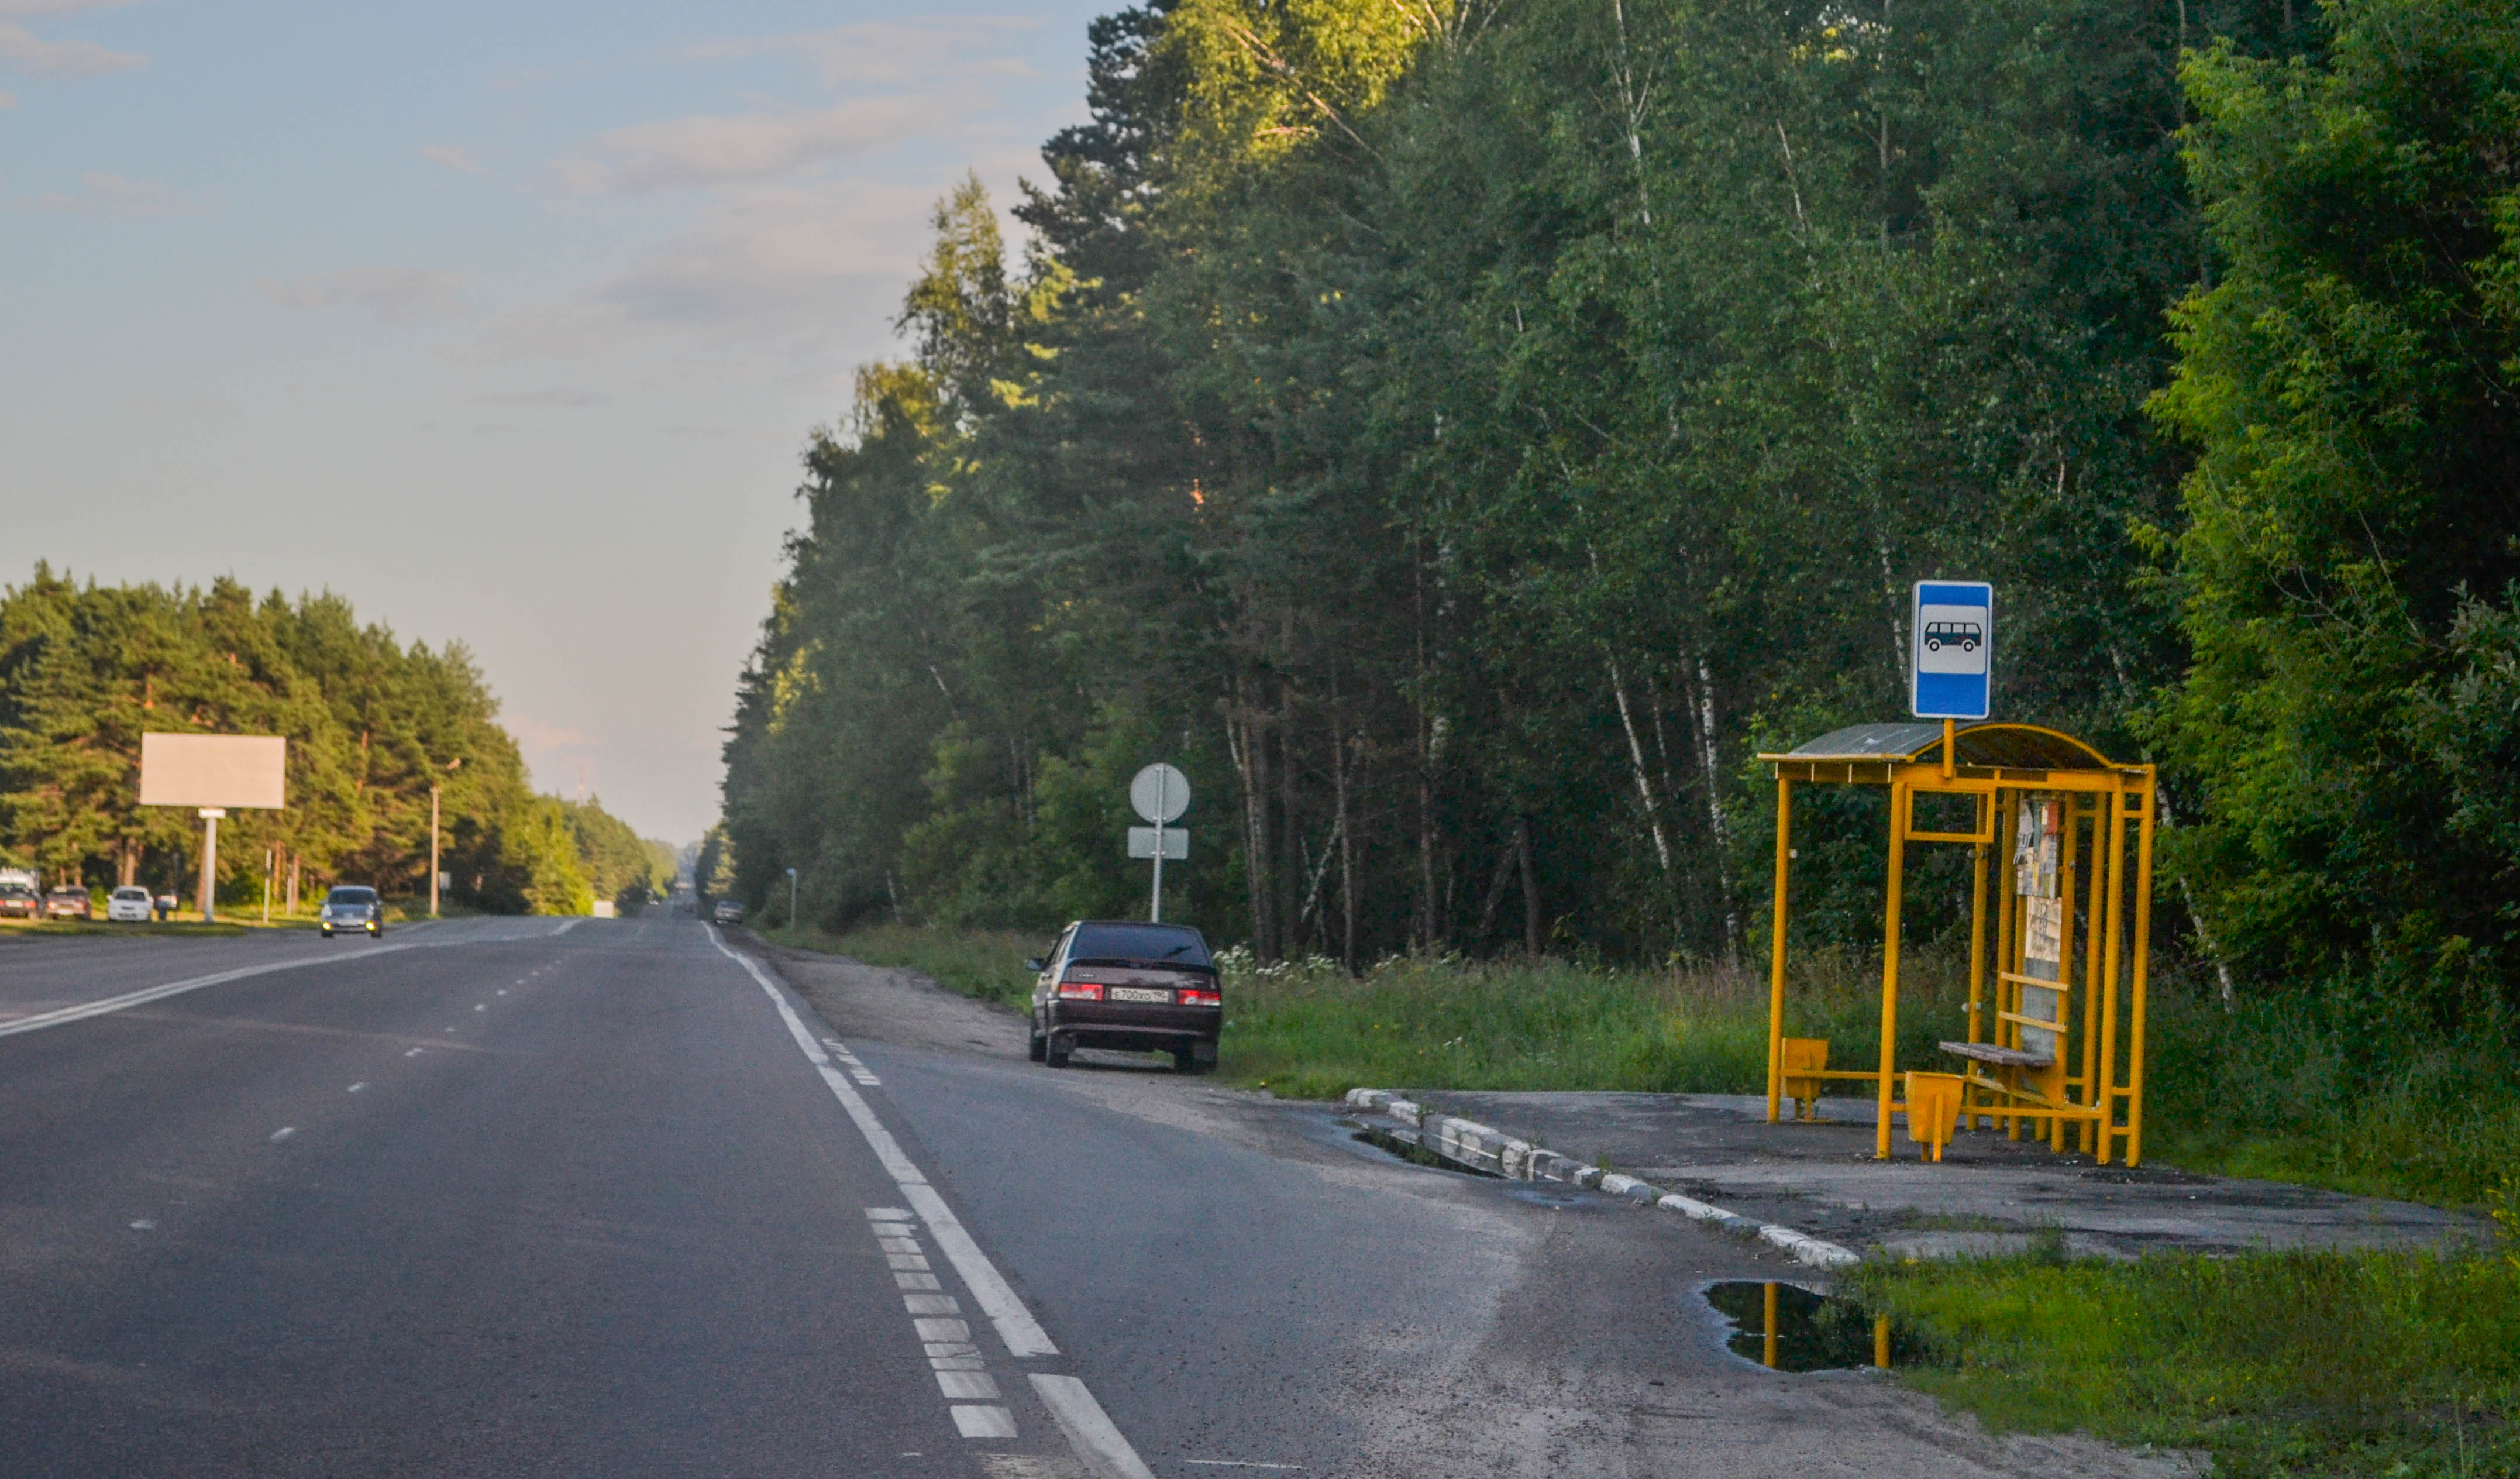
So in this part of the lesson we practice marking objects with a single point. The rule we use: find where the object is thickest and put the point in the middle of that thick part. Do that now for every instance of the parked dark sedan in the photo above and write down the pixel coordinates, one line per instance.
(1147, 988)
(68, 902)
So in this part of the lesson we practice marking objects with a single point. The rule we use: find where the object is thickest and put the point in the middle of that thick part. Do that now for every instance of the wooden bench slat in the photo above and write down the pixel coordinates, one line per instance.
(2003, 1058)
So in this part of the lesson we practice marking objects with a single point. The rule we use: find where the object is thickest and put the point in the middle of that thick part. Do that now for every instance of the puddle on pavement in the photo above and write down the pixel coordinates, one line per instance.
(1790, 1328)
(1409, 1149)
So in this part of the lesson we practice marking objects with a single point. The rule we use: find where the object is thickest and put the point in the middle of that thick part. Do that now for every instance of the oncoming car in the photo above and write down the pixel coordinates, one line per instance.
(129, 904)
(1147, 988)
(727, 912)
(352, 906)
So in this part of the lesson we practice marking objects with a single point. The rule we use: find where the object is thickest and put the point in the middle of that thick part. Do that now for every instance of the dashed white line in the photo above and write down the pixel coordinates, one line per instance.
(283, 1132)
(481, 1006)
(144, 1225)
(355, 1087)
(415, 1052)
(146, 994)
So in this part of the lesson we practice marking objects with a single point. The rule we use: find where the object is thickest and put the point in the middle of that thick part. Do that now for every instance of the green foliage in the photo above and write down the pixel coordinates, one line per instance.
(372, 725)
(1406, 419)
(2345, 384)
(2300, 1362)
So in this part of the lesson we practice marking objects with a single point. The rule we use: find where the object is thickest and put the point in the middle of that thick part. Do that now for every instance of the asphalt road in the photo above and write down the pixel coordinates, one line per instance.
(534, 1198)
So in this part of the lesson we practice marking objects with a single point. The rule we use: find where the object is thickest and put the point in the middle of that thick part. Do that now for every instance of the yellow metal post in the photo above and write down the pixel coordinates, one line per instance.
(1951, 757)
(1890, 968)
(2109, 1004)
(1771, 1325)
(1777, 950)
(2069, 863)
(1881, 1342)
(2142, 954)
(2099, 982)
(1977, 948)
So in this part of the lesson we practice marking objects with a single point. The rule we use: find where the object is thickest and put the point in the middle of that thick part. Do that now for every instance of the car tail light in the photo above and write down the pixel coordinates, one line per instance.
(1080, 991)
(1192, 995)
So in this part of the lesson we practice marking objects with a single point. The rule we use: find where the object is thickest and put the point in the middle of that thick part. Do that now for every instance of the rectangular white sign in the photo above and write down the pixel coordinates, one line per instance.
(1141, 843)
(214, 770)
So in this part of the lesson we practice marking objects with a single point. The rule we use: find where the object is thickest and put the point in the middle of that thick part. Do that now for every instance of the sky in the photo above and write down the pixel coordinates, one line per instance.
(508, 322)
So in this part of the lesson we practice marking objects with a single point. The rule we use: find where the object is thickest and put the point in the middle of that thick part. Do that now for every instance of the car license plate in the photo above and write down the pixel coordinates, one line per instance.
(1138, 994)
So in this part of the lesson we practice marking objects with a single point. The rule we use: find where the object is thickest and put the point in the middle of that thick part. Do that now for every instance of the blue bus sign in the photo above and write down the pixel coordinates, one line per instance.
(1953, 628)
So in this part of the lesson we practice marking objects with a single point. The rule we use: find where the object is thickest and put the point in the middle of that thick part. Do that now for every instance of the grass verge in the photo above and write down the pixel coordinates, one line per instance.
(984, 964)
(2278, 1363)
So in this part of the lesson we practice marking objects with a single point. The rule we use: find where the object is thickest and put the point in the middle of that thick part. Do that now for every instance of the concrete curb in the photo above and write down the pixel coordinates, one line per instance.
(1475, 1145)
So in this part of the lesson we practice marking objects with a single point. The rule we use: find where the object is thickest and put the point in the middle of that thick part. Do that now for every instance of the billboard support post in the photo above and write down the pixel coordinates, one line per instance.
(209, 900)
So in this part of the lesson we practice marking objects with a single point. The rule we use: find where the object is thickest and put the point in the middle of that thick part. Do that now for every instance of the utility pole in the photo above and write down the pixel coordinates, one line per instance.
(791, 898)
(432, 849)
(267, 859)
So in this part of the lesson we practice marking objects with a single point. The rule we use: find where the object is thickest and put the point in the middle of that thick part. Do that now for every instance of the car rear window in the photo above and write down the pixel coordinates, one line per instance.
(131, 893)
(1147, 943)
(351, 896)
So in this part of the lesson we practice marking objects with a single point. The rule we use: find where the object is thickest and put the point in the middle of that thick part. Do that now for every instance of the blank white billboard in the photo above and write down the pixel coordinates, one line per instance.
(214, 770)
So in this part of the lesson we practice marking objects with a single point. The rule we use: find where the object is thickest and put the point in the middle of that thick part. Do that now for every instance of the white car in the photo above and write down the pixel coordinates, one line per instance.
(127, 906)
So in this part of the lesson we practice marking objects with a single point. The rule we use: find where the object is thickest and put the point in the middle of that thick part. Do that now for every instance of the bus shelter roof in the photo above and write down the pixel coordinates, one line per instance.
(1990, 744)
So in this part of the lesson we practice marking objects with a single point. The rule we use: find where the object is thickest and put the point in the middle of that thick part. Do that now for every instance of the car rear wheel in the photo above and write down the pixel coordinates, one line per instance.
(1039, 1049)
(1055, 1051)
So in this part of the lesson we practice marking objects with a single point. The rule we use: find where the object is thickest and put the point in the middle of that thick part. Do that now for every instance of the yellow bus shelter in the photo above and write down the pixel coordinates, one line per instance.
(2056, 979)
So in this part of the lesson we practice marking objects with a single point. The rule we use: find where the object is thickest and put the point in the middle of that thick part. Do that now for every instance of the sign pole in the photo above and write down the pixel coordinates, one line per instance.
(266, 885)
(1163, 805)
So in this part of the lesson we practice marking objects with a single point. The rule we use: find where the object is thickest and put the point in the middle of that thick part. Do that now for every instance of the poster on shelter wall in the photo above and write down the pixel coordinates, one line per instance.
(2037, 847)
(2043, 934)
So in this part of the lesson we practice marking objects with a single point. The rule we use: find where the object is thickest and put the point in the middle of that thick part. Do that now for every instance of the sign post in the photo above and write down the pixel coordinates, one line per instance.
(1160, 793)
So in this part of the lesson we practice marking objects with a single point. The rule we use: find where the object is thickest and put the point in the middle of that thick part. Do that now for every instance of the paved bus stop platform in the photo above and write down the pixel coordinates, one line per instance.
(1988, 1196)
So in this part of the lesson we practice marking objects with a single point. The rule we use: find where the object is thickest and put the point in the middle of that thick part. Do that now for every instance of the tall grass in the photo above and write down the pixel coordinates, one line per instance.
(2294, 1363)
(1438, 1022)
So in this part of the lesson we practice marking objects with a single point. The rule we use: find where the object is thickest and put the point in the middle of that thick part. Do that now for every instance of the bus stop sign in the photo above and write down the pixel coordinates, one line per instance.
(1953, 628)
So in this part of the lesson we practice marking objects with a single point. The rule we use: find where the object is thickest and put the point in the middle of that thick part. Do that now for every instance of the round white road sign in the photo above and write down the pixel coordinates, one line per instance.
(1160, 793)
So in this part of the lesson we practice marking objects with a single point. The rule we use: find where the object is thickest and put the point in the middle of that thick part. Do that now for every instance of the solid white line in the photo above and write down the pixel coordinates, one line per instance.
(85, 1009)
(1089, 1430)
(1022, 1334)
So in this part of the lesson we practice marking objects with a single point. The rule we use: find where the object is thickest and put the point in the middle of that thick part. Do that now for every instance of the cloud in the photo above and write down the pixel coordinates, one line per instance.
(451, 156)
(395, 295)
(541, 736)
(682, 154)
(28, 52)
(888, 51)
(552, 398)
(763, 265)
(110, 195)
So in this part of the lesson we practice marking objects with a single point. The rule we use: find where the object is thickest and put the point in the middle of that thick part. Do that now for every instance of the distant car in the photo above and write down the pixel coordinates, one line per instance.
(127, 906)
(727, 912)
(1147, 988)
(19, 899)
(67, 903)
(352, 906)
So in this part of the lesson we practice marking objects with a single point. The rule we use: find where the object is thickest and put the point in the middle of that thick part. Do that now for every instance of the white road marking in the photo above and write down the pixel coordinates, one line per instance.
(1090, 1430)
(1022, 1334)
(1239, 1464)
(916, 1282)
(931, 1304)
(503, 991)
(984, 1423)
(144, 1225)
(355, 1087)
(943, 1329)
(905, 1261)
(481, 1006)
(85, 1009)
(887, 1214)
(415, 1052)
(283, 1132)
(967, 1386)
